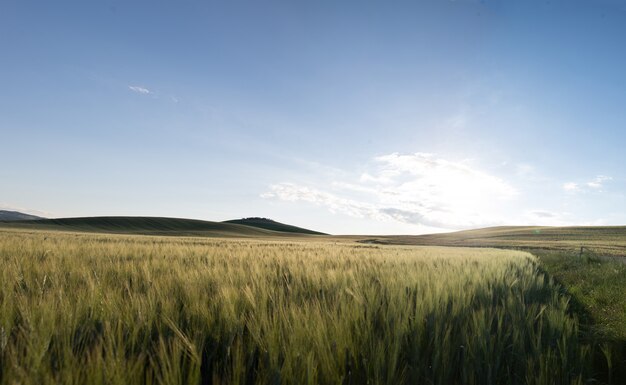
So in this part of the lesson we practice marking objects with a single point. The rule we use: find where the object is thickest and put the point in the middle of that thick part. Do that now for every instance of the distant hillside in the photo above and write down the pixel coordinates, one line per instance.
(268, 224)
(6, 215)
(147, 226)
(606, 239)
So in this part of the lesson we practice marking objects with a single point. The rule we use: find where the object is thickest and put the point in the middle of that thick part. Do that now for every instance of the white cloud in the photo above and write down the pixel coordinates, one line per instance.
(293, 193)
(596, 184)
(415, 188)
(543, 214)
(546, 218)
(571, 186)
(140, 90)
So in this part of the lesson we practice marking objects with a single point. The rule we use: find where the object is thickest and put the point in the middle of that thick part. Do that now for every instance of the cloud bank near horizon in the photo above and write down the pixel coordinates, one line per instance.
(418, 189)
(424, 189)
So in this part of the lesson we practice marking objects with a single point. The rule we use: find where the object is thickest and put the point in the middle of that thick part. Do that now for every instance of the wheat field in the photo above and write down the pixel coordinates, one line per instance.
(119, 309)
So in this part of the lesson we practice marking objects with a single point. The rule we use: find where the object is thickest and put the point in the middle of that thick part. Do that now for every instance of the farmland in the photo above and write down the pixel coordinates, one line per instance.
(604, 241)
(81, 308)
(590, 262)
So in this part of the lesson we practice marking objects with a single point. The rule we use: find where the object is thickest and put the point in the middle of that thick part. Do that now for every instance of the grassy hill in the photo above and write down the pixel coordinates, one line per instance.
(609, 240)
(147, 226)
(269, 224)
(6, 215)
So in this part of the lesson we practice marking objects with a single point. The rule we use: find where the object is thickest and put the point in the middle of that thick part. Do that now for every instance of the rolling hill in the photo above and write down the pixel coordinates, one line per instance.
(604, 239)
(6, 216)
(268, 224)
(149, 226)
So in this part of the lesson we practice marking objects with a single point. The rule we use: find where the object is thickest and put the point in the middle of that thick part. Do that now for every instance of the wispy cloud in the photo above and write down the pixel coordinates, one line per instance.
(140, 90)
(419, 188)
(154, 94)
(597, 184)
(571, 186)
(543, 214)
(294, 193)
(546, 218)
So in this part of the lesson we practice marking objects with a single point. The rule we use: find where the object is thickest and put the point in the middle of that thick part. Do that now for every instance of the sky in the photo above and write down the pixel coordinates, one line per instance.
(349, 117)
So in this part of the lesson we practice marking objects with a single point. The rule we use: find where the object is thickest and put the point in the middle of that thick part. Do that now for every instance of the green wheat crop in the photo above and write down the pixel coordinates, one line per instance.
(105, 309)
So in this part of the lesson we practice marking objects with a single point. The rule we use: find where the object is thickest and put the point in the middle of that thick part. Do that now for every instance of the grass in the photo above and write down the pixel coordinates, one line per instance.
(116, 309)
(597, 284)
(597, 288)
(590, 262)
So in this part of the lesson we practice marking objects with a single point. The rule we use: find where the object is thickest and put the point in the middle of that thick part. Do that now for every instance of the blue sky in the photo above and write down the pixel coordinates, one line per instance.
(346, 117)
